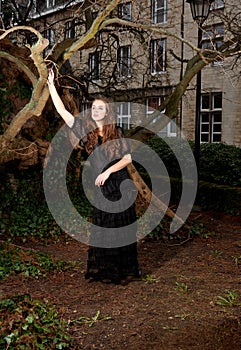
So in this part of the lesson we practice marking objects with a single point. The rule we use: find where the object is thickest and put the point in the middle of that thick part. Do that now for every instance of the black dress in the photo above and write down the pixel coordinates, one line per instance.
(112, 252)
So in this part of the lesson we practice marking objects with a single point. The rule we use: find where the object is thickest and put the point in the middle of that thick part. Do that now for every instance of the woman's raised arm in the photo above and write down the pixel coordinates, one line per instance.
(67, 116)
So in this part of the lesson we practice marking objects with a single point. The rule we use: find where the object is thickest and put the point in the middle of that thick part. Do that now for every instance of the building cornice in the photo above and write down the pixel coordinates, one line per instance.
(52, 10)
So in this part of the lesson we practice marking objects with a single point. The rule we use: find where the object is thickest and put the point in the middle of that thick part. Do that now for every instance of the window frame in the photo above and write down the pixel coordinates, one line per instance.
(124, 62)
(50, 4)
(123, 116)
(168, 129)
(50, 35)
(121, 11)
(211, 35)
(217, 4)
(70, 29)
(155, 58)
(46, 7)
(37, 7)
(211, 112)
(159, 10)
(95, 65)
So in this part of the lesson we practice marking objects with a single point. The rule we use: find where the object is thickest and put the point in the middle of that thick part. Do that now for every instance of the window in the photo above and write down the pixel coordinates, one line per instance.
(159, 11)
(50, 3)
(217, 4)
(38, 5)
(42, 6)
(94, 14)
(213, 36)
(211, 117)
(84, 107)
(70, 30)
(124, 11)
(95, 65)
(124, 61)
(152, 104)
(124, 115)
(50, 36)
(158, 56)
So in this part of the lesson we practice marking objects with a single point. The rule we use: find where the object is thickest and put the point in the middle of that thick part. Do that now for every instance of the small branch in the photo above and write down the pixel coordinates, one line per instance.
(96, 25)
(156, 29)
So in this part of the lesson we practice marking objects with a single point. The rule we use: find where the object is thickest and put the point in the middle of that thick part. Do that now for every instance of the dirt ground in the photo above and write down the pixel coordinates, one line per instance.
(173, 306)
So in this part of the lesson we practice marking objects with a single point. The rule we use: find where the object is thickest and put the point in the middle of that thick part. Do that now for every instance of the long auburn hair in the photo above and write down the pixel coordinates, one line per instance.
(109, 128)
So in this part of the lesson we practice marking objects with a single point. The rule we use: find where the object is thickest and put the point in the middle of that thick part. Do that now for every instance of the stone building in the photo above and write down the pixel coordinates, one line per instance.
(132, 66)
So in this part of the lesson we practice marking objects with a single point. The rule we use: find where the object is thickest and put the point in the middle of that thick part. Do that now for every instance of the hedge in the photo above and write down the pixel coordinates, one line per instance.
(219, 177)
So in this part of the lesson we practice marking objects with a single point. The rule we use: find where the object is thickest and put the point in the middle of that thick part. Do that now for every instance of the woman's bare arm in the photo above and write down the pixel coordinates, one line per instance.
(122, 163)
(67, 116)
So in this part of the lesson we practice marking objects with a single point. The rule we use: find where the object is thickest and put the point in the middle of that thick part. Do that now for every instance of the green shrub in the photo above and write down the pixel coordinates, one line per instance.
(219, 197)
(24, 211)
(30, 324)
(14, 260)
(219, 178)
(171, 151)
(220, 164)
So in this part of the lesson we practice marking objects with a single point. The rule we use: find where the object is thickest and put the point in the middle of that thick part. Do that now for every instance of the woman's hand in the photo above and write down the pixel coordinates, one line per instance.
(66, 115)
(50, 80)
(122, 163)
(100, 180)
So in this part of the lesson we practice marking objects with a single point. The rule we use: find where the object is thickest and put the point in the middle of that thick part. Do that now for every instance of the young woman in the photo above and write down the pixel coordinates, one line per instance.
(112, 252)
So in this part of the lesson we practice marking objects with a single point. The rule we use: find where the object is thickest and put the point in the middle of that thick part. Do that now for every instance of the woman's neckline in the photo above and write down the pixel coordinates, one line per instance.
(100, 131)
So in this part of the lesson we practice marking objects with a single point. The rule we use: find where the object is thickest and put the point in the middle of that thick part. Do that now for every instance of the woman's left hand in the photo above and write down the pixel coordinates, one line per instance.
(100, 180)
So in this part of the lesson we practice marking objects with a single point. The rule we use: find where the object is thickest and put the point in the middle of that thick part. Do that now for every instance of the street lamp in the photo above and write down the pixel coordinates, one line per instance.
(1, 8)
(200, 11)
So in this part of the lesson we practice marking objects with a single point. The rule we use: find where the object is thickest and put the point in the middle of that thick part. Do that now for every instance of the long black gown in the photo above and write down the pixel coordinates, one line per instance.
(112, 252)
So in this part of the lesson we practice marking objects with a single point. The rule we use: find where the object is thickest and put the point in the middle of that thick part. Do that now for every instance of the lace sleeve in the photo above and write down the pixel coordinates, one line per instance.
(124, 144)
(79, 130)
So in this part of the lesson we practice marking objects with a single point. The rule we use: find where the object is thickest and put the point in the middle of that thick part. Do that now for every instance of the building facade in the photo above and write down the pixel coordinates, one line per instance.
(137, 66)
(220, 90)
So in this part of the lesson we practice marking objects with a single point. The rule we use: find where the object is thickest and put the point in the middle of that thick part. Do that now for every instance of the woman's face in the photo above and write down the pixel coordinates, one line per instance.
(98, 110)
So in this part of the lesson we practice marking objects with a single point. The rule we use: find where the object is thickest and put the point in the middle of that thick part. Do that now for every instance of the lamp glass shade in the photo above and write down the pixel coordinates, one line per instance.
(200, 9)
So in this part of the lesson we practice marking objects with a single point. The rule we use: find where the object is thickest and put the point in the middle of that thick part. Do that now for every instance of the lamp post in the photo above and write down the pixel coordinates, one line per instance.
(200, 11)
(1, 10)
